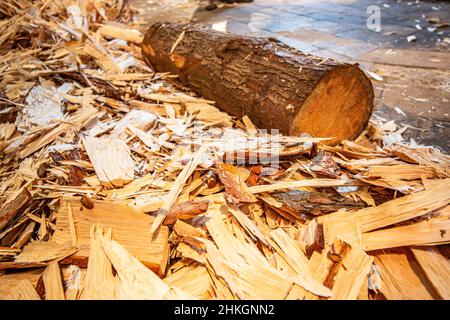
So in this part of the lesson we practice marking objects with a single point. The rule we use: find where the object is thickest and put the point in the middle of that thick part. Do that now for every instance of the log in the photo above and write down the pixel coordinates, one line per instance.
(276, 86)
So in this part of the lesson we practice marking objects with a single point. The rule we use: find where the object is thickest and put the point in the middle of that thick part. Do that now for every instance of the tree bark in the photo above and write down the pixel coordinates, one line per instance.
(276, 86)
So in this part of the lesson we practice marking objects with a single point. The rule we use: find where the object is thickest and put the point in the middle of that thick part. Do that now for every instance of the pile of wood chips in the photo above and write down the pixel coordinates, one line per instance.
(118, 183)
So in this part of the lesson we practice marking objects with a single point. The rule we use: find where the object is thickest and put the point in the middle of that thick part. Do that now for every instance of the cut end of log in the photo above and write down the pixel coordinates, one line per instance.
(339, 107)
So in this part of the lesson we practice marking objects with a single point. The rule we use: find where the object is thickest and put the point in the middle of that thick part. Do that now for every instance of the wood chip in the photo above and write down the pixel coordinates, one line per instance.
(53, 283)
(133, 234)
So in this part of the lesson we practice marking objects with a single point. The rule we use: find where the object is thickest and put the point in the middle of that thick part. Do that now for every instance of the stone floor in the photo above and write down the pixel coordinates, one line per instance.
(415, 86)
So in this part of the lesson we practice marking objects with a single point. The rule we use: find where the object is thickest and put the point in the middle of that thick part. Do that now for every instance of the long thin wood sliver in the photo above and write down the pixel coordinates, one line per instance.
(351, 275)
(24, 290)
(73, 230)
(187, 191)
(363, 226)
(100, 282)
(136, 280)
(44, 251)
(400, 280)
(176, 189)
(179, 39)
(247, 224)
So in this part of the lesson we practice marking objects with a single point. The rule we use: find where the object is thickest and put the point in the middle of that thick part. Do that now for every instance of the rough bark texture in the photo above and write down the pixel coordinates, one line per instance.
(278, 87)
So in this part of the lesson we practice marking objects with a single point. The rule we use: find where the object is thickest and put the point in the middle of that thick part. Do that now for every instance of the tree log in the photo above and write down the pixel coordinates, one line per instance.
(276, 86)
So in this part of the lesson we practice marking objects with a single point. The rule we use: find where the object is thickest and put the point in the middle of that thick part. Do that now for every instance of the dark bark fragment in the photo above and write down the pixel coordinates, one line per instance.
(315, 203)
